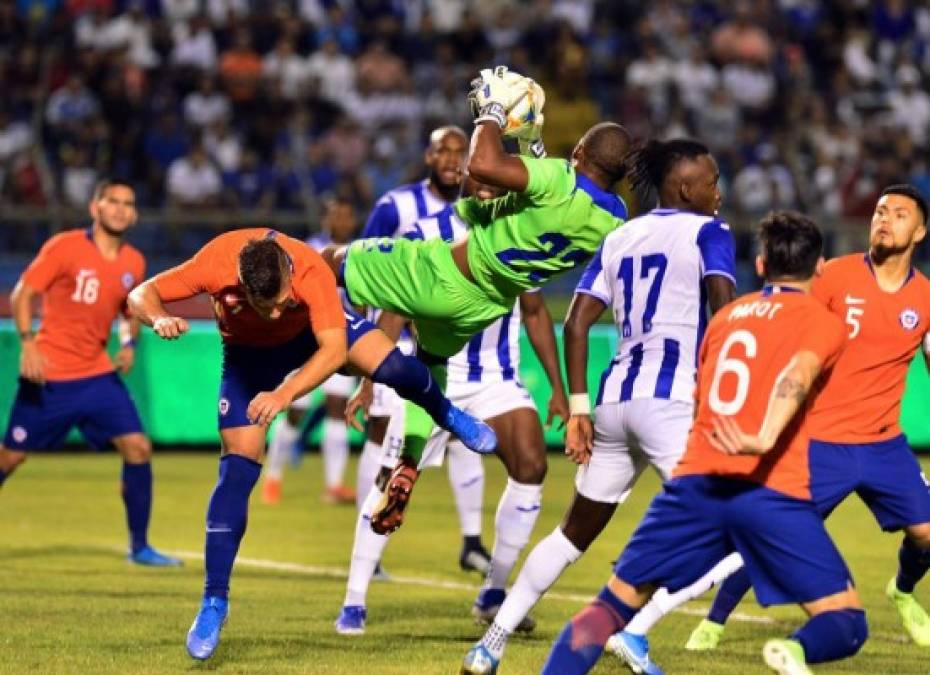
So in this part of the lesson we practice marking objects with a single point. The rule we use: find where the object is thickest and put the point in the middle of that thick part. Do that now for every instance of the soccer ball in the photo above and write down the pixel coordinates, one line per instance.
(526, 110)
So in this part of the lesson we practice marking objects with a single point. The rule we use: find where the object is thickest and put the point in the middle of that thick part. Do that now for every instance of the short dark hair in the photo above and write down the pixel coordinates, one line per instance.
(263, 267)
(908, 190)
(606, 145)
(791, 244)
(650, 163)
(103, 185)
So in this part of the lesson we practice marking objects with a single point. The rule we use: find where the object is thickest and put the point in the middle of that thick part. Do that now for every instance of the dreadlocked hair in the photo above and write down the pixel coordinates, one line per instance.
(649, 164)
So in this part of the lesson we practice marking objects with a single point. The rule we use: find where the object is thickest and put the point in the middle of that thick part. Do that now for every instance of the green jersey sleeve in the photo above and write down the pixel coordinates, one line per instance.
(549, 179)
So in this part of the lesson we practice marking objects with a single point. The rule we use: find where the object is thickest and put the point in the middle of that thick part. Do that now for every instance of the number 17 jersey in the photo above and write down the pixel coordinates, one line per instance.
(650, 273)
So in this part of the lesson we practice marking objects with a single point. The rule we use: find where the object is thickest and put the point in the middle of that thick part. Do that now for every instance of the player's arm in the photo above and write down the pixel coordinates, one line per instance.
(128, 332)
(147, 305)
(718, 262)
(31, 361)
(489, 163)
(788, 395)
(541, 333)
(583, 313)
(721, 291)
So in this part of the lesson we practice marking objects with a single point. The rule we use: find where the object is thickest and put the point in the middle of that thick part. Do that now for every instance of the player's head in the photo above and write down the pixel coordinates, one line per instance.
(113, 206)
(791, 247)
(445, 157)
(682, 172)
(602, 152)
(339, 220)
(899, 222)
(265, 275)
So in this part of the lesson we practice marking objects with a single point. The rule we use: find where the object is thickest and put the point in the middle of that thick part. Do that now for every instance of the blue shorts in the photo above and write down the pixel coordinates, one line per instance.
(42, 415)
(250, 370)
(885, 475)
(696, 521)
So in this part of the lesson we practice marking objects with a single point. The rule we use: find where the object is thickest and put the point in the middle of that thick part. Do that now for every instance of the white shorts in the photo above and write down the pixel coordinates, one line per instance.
(628, 437)
(482, 400)
(342, 386)
(385, 399)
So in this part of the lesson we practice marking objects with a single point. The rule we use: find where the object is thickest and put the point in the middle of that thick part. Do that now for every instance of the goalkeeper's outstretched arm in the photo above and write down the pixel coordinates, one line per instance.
(489, 163)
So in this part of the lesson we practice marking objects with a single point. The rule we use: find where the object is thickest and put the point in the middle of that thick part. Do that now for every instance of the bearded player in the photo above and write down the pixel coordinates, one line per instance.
(554, 217)
(66, 377)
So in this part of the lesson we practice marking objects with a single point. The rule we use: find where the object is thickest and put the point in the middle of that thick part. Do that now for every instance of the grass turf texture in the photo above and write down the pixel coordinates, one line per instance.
(70, 603)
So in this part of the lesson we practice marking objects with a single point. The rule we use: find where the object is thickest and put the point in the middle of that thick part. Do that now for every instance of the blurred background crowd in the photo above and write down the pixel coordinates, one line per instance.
(223, 112)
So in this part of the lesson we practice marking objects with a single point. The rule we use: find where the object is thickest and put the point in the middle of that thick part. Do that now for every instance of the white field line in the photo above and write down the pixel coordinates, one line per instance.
(343, 573)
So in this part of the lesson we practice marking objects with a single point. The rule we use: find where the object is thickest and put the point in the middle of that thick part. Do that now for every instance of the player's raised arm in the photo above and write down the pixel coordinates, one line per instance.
(31, 361)
(147, 305)
(489, 163)
(539, 329)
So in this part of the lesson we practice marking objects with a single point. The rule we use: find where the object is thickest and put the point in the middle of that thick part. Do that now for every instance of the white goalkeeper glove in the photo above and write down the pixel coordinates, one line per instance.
(529, 139)
(494, 93)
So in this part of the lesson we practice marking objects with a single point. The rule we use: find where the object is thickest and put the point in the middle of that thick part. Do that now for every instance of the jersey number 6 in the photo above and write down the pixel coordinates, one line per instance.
(726, 364)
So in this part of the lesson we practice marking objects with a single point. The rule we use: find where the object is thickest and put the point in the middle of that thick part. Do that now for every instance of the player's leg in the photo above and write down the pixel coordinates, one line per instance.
(9, 461)
(790, 558)
(466, 478)
(334, 446)
(284, 434)
(599, 486)
(522, 449)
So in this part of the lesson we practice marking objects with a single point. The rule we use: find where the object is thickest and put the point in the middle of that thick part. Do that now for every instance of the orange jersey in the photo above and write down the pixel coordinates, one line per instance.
(748, 344)
(215, 270)
(861, 401)
(82, 293)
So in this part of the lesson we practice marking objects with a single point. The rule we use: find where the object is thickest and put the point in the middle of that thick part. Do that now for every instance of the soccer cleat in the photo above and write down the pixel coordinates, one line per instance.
(380, 574)
(488, 604)
(339, 494)
(785, 657)
(475, 559)
(705, 637)
(915, 619)
(149, 556)
(475, 434)
(633, 652)
(204, 635)
(271, 491)
(351, 620)
(388, 514)
(479, 661)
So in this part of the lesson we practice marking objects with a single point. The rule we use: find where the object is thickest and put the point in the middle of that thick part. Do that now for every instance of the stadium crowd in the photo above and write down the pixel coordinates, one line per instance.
(270, 105)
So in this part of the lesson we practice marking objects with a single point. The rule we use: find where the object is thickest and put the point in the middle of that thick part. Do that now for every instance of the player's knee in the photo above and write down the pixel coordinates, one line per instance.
(920, 535)
(531, 470)
(137, 449)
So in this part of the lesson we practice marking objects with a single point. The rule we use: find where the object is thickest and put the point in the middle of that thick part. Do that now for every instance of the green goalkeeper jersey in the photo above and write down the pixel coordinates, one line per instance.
(523, 239)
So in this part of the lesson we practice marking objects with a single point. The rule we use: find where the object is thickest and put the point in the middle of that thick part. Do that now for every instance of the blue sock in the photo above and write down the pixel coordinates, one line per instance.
(581, 642)
(227, 514)
(410, 378)
(731, 591)
(913, 563)
(833, 635)
(137, 496)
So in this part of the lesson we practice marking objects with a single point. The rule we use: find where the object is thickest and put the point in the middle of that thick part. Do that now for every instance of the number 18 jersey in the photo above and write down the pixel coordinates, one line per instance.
(650, 273)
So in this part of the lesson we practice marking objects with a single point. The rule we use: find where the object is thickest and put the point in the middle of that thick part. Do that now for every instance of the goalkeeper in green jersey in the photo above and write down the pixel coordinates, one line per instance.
(554, 217)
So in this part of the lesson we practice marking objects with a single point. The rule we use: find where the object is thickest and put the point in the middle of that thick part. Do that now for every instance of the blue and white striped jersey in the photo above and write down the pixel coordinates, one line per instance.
(401, 207)
(493, 354)
(650, 273)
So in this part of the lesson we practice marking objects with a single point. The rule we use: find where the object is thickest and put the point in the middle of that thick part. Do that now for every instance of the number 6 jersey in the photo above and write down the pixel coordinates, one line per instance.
(650, 272)
(748, 345)
(82, 293)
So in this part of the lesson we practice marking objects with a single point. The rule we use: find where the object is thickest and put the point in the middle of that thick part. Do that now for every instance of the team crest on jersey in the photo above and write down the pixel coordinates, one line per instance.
(224, 406)
(19, 434)
(909, 319)
(128, 280)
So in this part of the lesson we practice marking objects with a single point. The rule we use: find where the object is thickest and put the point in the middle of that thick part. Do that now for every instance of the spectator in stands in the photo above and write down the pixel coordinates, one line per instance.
(764, 185)
(284, 70)
(15, 138)
(78, 178)
(223, 145)
(166, 142)
(194, 45)
(193, 181)
(252, 185)
(332, 71)
(241, 70)
(70, 106)
(206, 106)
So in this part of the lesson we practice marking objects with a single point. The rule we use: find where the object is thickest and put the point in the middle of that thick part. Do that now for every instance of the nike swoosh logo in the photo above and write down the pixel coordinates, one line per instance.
(850, 300)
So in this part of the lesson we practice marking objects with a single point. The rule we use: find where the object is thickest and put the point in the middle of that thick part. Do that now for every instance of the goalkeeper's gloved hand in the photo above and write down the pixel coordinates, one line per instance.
(529, 139)
(493, 95)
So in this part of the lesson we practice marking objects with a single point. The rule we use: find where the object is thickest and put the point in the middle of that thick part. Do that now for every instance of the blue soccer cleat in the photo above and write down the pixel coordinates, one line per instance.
(479, 661)
(633, 651)
(475, 434)
(149, 556)
(351, 620)
(488, 604)
(204, 635)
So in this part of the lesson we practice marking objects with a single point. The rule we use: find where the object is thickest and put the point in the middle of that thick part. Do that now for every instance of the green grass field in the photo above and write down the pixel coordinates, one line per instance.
(69, 602)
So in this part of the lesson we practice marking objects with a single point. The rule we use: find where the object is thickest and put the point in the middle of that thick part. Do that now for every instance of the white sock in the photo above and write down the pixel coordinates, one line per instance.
(542, 568)
(335, 450)
(366, 552)
(516, 515)
(283, 438)
(369, 464)
(466, 474)
(663, 602)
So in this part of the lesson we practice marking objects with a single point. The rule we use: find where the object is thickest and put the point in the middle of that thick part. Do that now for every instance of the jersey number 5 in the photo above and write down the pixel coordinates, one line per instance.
(86, 288)
(727, 364)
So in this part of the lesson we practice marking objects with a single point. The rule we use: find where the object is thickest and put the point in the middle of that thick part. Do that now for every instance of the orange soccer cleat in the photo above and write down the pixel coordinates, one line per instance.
(339, 494)
(271, 491)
